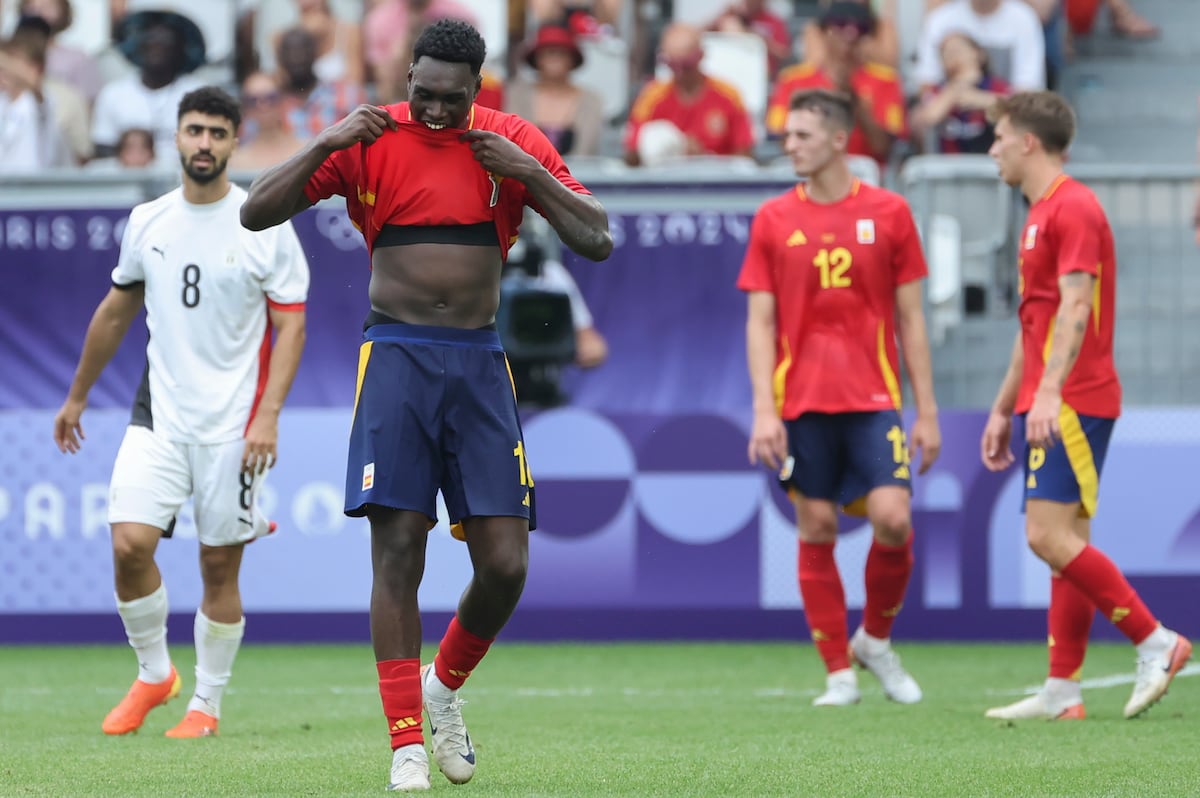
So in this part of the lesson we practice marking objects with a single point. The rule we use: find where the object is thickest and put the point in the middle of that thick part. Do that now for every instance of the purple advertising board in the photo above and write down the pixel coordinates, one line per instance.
(652, 523)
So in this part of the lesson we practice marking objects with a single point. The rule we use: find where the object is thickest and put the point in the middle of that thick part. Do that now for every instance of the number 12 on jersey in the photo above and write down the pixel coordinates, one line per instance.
(833, 265)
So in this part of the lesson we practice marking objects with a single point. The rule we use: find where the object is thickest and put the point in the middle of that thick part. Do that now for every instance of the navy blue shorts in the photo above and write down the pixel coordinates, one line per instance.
(434, 410)
(1070, 471)
(841, 457)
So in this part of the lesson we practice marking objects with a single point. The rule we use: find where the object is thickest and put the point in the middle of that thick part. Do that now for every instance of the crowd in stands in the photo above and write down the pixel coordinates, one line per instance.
(298, 65)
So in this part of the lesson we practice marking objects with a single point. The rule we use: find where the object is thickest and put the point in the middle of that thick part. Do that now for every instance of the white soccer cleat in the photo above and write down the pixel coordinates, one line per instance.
(410, 769)
(1154, 675)
(1038, 706)
(878, 657)
(452, 749)
(841, 690)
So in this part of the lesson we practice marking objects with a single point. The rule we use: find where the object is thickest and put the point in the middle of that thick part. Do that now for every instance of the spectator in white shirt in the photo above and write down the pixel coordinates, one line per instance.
(165, 46)
(1009, 30)
(29, 137)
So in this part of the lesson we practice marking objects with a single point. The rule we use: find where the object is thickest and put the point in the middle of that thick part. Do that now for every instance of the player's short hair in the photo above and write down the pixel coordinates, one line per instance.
(214, 101)
(836, 107)
(1045, 114)
(452, 41)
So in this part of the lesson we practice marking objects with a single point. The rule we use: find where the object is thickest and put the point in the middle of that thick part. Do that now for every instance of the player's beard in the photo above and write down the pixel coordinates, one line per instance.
(203, 177)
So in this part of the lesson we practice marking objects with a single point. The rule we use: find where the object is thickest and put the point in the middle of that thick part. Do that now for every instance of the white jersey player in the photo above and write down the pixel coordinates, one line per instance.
(205, 420)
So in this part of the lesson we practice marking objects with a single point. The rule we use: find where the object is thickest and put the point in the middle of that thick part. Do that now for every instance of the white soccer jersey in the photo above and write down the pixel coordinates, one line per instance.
(208, 284)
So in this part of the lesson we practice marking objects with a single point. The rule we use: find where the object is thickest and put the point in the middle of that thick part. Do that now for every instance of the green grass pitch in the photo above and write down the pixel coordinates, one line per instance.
(603, 720)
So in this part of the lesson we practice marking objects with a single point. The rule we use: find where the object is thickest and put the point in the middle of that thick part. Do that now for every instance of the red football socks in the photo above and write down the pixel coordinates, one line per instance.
(1070, 622)
(1098, 578)
(824, 603)
(887, 573)
(458, 654)
(400, 689)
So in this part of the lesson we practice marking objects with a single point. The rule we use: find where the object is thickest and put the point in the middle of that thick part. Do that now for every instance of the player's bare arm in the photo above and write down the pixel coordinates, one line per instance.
(768, 438)
(105, 332)
(262, 435)
(995, 447)
(926, 437)
(1070, 325)
(277, 194)
(579, 219)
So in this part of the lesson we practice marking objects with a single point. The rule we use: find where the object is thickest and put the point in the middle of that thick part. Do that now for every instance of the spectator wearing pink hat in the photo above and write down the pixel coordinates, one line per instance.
(569, 115)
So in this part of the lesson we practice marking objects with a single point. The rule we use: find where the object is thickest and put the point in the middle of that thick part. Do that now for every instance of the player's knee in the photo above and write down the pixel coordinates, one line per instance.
(504, 570)
(817, 522)
(219, 566)
(1041, 540)
(893, 526)
(131, 552)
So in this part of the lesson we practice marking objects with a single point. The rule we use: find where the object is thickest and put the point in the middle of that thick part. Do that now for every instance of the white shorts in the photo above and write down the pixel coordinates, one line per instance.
(153, 477)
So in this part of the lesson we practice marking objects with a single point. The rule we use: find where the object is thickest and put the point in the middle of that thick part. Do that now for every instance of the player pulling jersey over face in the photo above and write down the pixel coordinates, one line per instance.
(436, 186)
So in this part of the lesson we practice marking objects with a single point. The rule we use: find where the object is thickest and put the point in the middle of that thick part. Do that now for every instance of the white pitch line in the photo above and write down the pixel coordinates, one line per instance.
(1100, 682)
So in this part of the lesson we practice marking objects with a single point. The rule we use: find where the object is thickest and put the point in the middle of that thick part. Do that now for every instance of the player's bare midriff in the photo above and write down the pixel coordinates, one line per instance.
(445, 285)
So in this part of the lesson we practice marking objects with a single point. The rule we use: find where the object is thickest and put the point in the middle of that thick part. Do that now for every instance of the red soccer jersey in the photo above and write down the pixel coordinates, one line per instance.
(716, 118)
(875, 84)
(1066, 231)
(834, 270)
(419, 176)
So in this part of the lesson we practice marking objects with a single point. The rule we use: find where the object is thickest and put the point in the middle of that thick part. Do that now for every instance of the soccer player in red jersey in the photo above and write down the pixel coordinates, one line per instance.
(708, 112)
(1062, 381)
(437, 185)
(833, 271)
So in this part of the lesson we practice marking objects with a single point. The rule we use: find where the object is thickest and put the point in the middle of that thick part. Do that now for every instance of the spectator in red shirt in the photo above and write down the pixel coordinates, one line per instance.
(956, 109)
(753, 16)
(874, 88)
(491, 90)
(708, 112)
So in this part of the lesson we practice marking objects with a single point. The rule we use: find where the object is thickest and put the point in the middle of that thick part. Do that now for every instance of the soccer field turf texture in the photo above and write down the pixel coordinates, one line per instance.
(604, 720)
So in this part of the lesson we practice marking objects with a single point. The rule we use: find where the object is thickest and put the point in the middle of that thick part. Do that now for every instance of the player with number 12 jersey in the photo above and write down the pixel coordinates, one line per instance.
(836, 349)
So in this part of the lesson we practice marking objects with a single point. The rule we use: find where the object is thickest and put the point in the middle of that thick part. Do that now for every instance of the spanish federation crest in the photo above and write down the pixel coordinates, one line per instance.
(1030, 236)
(864, 230)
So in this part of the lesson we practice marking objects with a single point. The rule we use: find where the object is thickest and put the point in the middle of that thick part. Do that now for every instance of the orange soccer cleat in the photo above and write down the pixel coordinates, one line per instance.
(194, 724)
(129, 715)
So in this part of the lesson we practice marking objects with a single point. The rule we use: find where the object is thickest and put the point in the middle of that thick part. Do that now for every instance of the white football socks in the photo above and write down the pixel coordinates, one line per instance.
(216, 647)
(145, 622)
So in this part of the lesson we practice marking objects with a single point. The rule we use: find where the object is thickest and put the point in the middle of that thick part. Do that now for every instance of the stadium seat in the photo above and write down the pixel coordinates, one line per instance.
(965, 188)
(943, 252)
(605, 71)
(739, 59)
(493, 25)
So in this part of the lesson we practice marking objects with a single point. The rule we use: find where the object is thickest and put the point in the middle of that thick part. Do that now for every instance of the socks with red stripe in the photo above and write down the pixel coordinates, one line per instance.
(458, 654)
(1069, 621)
(1098, 578)
(824, 603)
(887, 573)
(400, 689)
